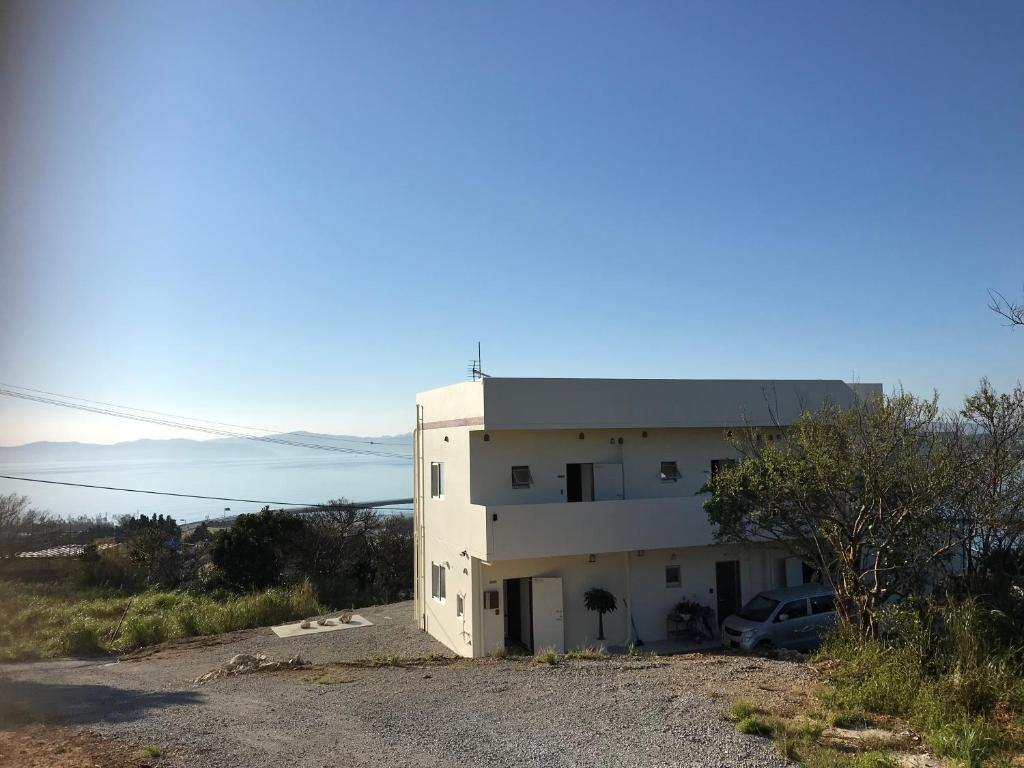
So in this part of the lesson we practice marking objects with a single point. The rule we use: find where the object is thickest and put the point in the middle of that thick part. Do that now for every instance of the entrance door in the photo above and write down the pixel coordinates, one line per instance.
(548, 626)
(518, 615)
(727, 587)
(579, 482)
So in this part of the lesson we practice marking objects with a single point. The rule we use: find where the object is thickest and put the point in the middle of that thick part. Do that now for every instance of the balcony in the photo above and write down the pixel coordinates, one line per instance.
(552, 530)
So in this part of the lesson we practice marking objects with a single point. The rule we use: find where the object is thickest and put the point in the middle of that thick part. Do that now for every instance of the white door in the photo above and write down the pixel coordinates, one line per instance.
(548, 626)
(607, 482)
(794, 571)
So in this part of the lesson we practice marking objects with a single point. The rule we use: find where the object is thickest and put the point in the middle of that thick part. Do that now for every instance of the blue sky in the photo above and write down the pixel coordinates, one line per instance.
(300, 214)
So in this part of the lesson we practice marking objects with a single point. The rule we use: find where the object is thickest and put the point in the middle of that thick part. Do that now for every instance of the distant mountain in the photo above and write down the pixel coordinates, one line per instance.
(180, 449)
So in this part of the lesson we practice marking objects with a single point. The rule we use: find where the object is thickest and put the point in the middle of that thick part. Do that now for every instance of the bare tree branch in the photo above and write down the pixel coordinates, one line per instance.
(1013, 313)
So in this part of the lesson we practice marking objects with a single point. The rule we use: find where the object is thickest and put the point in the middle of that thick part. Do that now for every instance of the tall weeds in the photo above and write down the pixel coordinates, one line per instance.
(943, 668)
(44, 622)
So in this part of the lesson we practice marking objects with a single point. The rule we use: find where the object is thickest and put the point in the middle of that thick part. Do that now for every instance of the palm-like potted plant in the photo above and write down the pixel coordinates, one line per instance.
(602, 601)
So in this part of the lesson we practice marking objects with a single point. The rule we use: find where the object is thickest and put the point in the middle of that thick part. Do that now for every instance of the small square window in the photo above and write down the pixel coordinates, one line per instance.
(437, 480)
(460, 605)
(669, 472)
(521, 477)
(673, 576)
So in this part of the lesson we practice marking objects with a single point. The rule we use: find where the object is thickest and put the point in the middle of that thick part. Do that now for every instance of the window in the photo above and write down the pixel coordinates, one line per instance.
(795, 609)
(460, 605)
(437, 480)
(823, 604)
(669, 472)
(673, 576)
(437, 581)
(521, 477)
(717, 465)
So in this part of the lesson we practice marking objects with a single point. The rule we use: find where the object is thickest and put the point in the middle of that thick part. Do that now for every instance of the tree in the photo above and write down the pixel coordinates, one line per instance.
(23, 528)
(602, 601)
(865, 494)
(154, 545)
(259, 551)
(199, 535)
(992, 454)
(1013, 313)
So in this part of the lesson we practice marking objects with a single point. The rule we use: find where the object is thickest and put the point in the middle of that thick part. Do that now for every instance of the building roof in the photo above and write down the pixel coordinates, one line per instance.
(514, 403)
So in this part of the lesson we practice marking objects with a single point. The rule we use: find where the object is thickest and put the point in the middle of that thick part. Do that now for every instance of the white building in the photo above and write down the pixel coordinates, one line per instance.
(529, 492)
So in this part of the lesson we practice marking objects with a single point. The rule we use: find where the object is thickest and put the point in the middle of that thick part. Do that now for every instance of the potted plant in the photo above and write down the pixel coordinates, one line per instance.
(688, 609)
(602, 601)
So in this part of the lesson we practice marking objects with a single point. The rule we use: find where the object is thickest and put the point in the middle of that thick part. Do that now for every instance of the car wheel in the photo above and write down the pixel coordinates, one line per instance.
(764, 647)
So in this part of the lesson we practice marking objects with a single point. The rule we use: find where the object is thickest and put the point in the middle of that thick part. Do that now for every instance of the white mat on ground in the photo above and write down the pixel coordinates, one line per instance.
(294, 630)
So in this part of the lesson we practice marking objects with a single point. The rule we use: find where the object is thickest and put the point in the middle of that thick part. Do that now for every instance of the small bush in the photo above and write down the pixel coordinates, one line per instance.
(741, 710)
(588, 653)
(549, 656)
(79, 639)
(969, 742)
(752, 725)
(150, 750)
(499, 653)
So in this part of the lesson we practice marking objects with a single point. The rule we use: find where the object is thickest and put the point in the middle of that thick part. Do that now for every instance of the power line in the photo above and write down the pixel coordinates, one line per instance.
(208, 430)
(360, 505)
(190, 418)
(160, 493)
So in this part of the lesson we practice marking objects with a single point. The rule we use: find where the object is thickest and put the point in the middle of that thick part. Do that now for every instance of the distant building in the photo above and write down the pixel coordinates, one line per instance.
(529, 492)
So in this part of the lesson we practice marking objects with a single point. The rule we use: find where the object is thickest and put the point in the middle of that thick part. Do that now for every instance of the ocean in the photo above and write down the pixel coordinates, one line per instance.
(302, 479)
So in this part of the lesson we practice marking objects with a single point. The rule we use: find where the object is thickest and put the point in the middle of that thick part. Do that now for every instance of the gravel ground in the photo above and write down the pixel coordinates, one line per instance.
(490, 712)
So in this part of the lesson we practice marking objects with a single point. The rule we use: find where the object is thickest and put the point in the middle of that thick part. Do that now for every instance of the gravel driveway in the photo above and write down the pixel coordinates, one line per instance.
(490, 712)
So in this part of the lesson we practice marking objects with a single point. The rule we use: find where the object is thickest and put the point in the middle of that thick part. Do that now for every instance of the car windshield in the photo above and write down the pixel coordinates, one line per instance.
(758, 609)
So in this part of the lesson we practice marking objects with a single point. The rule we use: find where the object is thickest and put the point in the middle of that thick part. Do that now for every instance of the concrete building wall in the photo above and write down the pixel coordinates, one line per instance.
(547, 453)
(622, 574)
(629, 403)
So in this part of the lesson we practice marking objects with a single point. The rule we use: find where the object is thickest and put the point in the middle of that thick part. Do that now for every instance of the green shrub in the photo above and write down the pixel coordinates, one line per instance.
(547, 657)
(741, 710)
(969, 741)
(588, 653)
(78, 639)
(945, 668)
(756, 726)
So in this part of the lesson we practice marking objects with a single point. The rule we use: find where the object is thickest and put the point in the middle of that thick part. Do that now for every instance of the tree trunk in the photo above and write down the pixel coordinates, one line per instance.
(600, 625)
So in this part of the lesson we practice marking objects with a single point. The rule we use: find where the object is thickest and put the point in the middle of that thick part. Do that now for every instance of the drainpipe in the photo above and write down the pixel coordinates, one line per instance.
(629, 602)
(418, 528)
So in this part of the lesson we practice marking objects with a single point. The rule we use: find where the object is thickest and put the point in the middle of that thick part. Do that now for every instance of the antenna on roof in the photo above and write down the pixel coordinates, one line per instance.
(475, 368)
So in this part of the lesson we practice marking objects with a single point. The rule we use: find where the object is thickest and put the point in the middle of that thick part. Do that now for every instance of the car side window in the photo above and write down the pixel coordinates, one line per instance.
(795, 609)
(823, 604)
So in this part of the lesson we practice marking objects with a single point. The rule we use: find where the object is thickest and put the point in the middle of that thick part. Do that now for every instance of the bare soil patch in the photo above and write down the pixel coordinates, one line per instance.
(50, 746)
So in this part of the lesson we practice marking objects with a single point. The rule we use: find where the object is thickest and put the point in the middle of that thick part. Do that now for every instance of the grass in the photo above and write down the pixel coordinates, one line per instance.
(150, 750)
(549, 656)
(741, 710)
(754, 725)
(45, 621)
(942, 671)
(326, 678)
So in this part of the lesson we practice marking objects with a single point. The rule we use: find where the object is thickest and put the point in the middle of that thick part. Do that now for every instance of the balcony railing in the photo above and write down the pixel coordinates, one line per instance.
(550, 530)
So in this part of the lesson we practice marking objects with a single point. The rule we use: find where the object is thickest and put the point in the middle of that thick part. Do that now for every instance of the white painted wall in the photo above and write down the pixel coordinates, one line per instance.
(547, 452)
(652, 600)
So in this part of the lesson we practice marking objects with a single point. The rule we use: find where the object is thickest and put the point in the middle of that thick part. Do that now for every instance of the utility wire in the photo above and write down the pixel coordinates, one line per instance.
(367, 505)
(208, 430)
(160, 493)
(191, 418)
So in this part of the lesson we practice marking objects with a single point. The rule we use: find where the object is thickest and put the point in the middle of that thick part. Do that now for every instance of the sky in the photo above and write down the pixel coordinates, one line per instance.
(300, 214)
